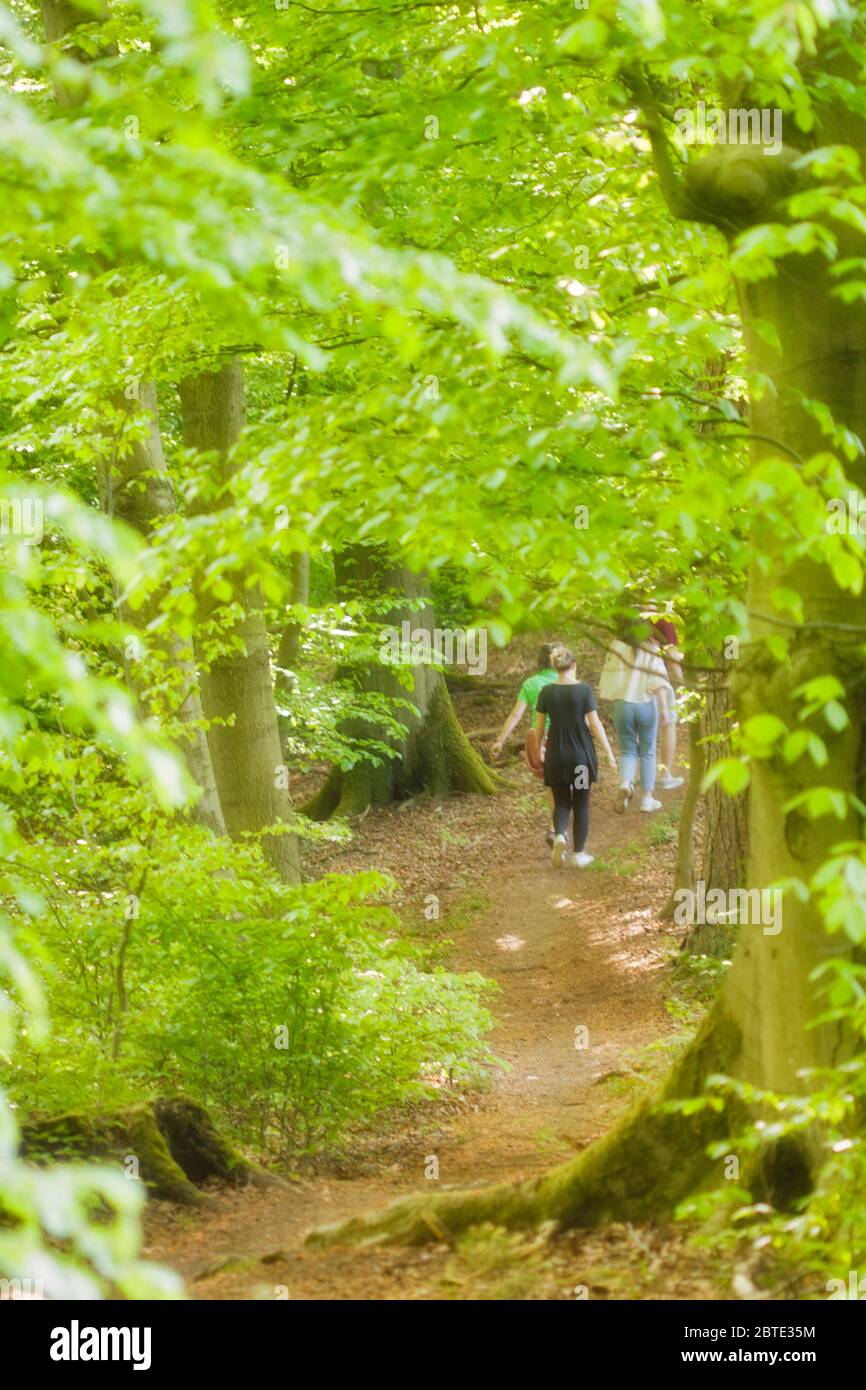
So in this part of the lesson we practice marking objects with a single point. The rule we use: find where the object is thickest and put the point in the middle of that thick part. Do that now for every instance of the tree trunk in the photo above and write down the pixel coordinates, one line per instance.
(433, 754)
(821, 355)
(725, 832)
(237, 689)
(137, 489)
(726, 836)
(684, 870)
(289, 650)
(60, 17)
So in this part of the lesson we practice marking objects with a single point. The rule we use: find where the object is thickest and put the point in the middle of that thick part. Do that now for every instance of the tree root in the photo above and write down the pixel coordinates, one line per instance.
(648, 1164)
(439, 759)
(344, 794)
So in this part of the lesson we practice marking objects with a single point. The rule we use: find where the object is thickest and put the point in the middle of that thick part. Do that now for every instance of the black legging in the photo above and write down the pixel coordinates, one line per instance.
(568, 798)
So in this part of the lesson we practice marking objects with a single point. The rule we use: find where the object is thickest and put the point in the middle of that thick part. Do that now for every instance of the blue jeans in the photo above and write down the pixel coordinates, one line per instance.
(636, 729)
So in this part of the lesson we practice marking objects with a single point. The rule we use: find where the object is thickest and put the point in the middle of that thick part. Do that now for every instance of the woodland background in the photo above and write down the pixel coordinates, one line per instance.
(319, 318)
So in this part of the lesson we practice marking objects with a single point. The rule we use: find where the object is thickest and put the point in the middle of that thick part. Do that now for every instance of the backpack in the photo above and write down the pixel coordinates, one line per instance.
(534, 754)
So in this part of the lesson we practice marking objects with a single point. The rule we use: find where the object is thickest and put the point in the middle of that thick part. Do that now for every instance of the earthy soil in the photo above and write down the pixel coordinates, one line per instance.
(582, 963)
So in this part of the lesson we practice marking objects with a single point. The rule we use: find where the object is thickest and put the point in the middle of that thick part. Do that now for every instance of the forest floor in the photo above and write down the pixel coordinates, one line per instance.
(570, 950)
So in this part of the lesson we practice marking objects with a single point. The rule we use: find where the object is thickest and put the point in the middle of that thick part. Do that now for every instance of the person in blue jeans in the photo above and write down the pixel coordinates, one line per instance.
(635, 678)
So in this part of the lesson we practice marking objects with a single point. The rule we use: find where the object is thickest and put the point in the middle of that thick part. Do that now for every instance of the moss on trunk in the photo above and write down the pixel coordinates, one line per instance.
(433, 753)
(173, 1142)
(443, 761)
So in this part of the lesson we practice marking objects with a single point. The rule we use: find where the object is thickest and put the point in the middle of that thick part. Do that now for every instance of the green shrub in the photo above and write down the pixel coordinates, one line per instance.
(297, 1013)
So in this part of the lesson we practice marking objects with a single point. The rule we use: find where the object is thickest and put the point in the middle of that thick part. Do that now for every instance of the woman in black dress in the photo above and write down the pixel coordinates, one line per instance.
(570, 763)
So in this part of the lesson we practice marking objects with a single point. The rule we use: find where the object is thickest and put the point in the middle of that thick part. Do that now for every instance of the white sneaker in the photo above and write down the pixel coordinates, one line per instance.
(623, 797)
(669, 784)
(557, 854)
(649, 803)
(582, 860)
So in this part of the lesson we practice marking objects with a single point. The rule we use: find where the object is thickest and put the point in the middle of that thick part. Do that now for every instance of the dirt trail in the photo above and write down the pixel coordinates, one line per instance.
(570, 949)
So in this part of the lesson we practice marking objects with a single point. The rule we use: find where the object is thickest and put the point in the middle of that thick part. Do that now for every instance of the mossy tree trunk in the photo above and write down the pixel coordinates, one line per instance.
(760, 1029)
(432, 753)
(237, 687)
(820, 354)
(171, 1145)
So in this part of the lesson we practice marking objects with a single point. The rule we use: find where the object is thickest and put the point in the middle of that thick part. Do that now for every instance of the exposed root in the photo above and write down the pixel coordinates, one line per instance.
(438, 758)
(643, 1168)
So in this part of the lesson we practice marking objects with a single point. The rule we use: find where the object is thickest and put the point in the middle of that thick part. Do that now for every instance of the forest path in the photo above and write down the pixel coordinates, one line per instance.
(570, 949)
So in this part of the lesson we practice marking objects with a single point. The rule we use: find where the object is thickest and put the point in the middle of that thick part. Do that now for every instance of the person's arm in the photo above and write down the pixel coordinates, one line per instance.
(540, 725)
(662, 695)
(595, 726)
(510, 724)
(671, 655)
(658, 687)
(673, 660)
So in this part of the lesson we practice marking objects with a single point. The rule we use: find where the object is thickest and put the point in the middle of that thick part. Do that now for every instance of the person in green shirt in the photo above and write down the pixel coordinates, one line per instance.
(526, 699)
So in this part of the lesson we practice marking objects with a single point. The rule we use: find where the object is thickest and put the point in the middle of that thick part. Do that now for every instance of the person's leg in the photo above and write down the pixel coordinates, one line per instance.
(648, 723)
(668, 742)
(552, 831)
(668, 749)
(561, 816)
(580, 807)
(623, 719)
(561, 807)
(623, 722)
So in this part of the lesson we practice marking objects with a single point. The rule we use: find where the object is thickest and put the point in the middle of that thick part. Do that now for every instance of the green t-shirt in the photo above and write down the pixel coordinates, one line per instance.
(532, 685)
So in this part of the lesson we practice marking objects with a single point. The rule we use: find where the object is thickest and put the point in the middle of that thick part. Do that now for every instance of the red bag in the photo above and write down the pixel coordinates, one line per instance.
(534, 754)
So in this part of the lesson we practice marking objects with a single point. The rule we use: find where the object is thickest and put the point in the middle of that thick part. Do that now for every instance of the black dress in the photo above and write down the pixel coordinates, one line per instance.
(569, 742)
